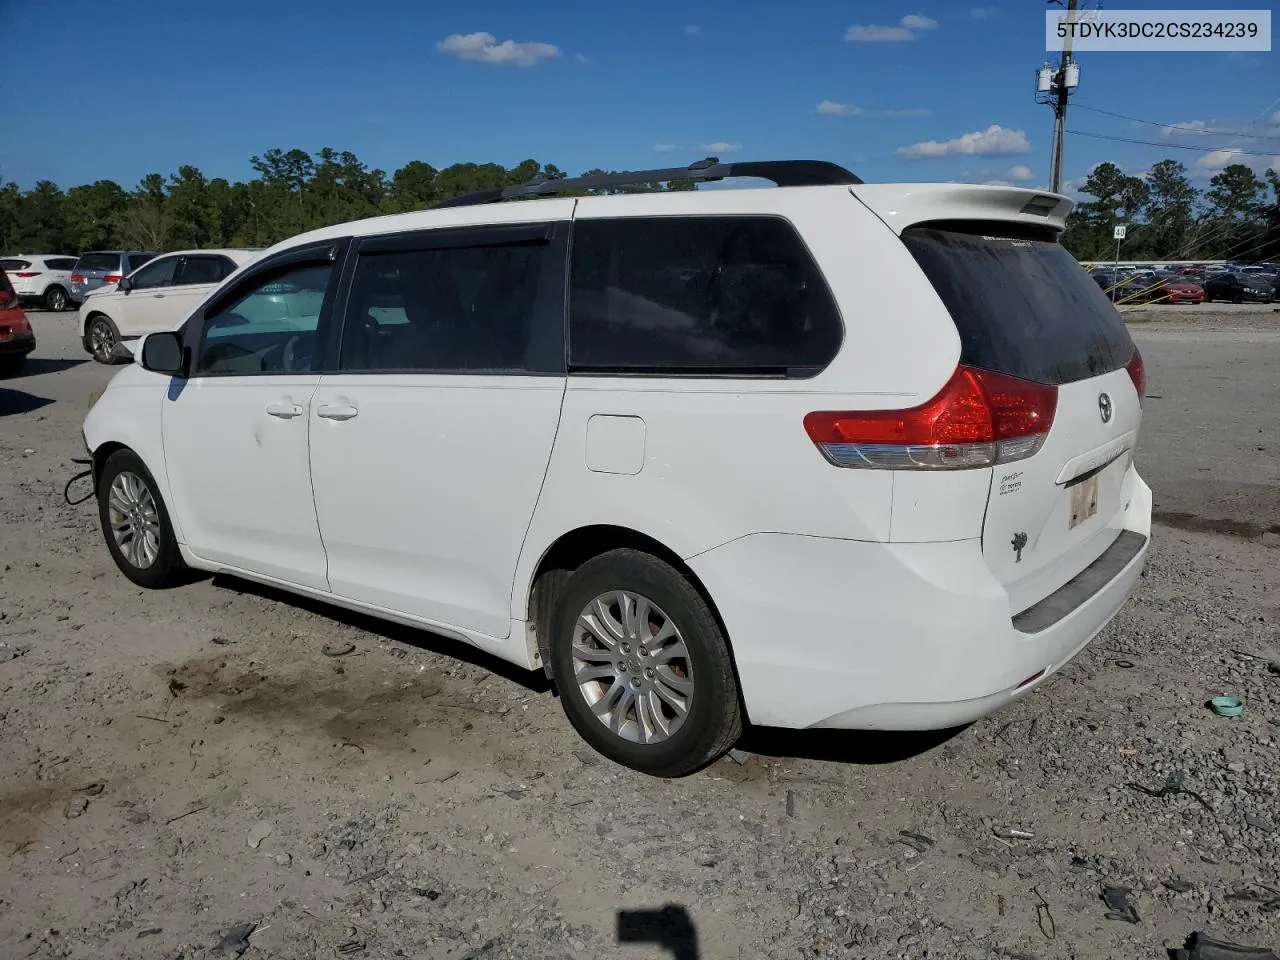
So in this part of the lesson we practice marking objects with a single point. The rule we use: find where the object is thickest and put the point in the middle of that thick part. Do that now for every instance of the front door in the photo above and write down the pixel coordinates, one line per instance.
(430, 443)
(236, 431)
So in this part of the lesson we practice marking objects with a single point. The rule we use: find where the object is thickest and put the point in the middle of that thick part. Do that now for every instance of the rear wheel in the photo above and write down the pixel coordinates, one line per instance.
(11, 366)
(642, 666)
(55, 299)
(102, 337)
(136, 524)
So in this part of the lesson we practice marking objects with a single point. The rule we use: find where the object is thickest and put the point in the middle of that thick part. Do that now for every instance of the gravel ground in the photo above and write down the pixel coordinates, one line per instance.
(187, 774)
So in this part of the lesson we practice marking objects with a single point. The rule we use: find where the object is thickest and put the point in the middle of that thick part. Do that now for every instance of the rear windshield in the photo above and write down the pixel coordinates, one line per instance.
(1023, 307)
(14, 264)
(99, 261)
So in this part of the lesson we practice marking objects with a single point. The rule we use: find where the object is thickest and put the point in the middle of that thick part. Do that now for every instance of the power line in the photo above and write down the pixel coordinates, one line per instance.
(1181, 128)
(1172, 146)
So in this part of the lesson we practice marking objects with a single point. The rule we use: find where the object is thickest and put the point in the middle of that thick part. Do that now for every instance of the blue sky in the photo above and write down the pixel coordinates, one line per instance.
(147, 86)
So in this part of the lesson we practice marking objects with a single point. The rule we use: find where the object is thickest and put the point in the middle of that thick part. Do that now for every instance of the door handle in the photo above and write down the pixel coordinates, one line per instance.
(285, 411)
(336, 411)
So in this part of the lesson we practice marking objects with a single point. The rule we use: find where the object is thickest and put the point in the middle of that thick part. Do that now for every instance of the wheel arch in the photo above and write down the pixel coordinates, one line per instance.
(574, 548)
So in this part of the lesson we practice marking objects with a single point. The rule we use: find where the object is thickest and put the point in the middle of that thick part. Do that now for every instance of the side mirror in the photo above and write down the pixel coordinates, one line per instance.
(164, 353)
(124, 285)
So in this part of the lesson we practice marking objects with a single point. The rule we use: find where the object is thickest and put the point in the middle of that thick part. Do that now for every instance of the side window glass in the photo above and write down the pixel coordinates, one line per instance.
(156, 274)
(270, 327)
(138, 259)
(454, 310)
(200, 270)
(698, 295)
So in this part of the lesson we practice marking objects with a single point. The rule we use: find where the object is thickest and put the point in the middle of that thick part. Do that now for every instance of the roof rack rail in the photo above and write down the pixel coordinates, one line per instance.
(783, 173)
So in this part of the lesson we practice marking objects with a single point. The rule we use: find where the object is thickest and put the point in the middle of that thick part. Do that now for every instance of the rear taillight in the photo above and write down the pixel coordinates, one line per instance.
(77, 278)
(1138, 374)
(112, 278)
(978, 419)
(28, 273)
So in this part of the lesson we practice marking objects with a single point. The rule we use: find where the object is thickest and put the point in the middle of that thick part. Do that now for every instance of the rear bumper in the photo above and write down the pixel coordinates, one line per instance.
(20, 344)
(900, 636)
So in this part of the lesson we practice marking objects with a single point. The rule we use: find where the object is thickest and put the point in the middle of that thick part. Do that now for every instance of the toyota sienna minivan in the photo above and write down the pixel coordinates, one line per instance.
(831, 454)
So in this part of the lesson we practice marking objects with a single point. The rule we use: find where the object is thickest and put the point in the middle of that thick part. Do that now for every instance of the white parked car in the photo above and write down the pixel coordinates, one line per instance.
(828, 455)
(41, 278)
(157, 296)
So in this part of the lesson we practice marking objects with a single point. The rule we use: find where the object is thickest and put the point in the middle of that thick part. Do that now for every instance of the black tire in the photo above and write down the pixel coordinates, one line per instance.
(11, 366)
(1237, 298)
(101, 335)
(56, 299)
(713, 721)
(167, 566)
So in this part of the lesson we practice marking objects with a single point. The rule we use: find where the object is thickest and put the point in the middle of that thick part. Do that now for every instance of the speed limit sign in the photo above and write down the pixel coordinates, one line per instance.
(1119, 233)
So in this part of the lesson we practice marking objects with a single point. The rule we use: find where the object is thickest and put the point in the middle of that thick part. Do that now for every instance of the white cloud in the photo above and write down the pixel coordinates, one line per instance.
(908, 28)
(1190, 126)
(1275, 117)
(666, 147)
(982, 13)
(1020, 172)
(834, 108)
(830, 108)
(995, 141)
(913, 21)
(693, 30)
(485, 48)
(582, 58)
(719, 146)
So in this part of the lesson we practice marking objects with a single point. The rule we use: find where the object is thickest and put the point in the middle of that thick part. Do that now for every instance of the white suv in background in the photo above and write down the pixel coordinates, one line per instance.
(827, 455)
(41, 278)
(156, 296)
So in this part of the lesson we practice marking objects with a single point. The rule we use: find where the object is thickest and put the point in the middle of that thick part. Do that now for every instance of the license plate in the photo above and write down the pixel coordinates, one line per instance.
(1084, 501)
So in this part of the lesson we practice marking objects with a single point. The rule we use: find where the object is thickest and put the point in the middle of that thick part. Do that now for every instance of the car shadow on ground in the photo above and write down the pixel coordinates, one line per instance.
(420, 637)
(38, 365)
(860, 747)
(13, 402)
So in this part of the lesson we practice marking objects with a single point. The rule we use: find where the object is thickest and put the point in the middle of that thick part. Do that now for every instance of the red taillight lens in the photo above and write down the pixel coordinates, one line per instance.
(113, 278)
(978, 419)
(28, 273)
(1138, 374)
(77, 278)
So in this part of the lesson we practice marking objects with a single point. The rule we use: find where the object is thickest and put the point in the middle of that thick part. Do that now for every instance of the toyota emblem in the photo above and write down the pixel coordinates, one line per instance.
(1104, 407)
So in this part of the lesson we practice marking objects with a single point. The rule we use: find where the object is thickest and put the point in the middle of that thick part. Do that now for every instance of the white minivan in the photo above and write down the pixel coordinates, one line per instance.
(826, 455)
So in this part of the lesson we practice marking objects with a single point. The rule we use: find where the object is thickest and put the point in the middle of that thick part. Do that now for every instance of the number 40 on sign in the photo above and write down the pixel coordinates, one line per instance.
(1118, 233)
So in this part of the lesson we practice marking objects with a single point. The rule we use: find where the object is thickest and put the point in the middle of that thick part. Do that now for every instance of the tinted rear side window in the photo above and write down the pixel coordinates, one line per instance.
(106, 262)
(60, 263)
(728, 295)
(138, 259)
(1022, 307)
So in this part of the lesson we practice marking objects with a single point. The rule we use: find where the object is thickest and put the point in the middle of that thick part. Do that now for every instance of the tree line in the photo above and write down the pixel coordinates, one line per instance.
(293, 191)
(1236, 217)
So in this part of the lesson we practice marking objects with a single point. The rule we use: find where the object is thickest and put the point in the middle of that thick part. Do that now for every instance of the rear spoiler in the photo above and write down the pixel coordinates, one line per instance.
(905, 204)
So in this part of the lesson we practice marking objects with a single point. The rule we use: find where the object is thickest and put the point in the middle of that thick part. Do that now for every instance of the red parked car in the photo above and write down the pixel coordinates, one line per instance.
(17, 339)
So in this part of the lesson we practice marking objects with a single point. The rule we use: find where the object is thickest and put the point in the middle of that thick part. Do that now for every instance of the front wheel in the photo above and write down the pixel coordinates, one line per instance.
(102, 337)
(643, 668)
(136, 524)
(55, 299)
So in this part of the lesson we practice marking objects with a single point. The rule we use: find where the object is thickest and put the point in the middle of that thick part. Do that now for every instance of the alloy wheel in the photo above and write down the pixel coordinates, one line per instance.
(134, 519)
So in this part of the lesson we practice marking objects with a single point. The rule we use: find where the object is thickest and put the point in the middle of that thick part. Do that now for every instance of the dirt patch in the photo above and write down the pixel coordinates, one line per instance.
(1234, 528)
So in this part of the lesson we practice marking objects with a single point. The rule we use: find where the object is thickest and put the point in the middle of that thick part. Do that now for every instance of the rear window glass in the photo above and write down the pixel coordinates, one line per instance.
(107, 262)
(1023, 307)
(698, 295)
(60, 263)
(14, 264)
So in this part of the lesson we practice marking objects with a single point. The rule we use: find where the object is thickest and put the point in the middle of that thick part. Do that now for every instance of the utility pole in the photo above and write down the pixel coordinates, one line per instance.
(1054, 87)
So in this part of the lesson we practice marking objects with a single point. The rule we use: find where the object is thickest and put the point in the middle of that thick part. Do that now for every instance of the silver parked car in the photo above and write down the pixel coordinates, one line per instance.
(99, 267)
